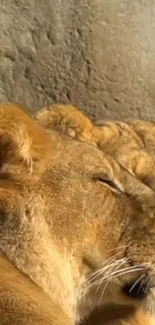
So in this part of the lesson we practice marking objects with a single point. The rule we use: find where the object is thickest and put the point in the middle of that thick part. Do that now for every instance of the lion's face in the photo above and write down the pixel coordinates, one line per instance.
(73, 220)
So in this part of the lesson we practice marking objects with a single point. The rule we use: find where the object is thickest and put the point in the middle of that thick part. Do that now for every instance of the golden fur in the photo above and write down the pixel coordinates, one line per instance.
(132, 143)
(73, 221)
(24, 303)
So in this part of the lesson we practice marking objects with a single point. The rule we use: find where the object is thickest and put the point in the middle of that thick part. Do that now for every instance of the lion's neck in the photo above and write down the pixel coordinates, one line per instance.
(55, 272)
(48, 269)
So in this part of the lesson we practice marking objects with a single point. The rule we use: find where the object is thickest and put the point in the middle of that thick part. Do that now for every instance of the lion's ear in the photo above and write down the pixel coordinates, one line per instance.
(68, 119)
(21, 138)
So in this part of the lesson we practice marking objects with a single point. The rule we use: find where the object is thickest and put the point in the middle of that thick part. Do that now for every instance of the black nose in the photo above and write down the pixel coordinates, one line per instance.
(137, 289)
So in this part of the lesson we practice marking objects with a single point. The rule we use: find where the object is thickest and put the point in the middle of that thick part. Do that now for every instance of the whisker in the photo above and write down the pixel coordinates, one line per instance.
(115, 265)
(98, 283)
(133, 286)
(128, 271)
(116, 248)
(148, 285)
(142, 283)
(118, 264)
(121, 272)
(99, 271)
(111, 270)
(108, 268)
(107, 282)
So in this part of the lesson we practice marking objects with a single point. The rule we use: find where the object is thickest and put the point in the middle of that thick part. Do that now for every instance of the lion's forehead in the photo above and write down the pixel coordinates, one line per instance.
(72, 152)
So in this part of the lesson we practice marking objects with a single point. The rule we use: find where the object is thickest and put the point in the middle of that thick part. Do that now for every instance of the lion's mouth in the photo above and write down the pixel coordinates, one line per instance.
(137, 289)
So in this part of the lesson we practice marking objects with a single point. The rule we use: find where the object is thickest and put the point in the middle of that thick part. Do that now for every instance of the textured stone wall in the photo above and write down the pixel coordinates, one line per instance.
(97, 54)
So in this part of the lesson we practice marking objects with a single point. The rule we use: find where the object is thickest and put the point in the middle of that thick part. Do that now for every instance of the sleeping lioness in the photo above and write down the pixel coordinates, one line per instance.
(76, 223)
(132, 143)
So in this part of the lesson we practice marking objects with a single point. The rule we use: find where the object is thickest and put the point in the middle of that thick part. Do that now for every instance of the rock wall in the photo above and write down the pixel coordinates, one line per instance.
(97, 54)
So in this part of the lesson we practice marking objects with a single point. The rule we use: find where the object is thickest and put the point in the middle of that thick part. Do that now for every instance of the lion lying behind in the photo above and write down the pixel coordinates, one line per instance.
(132, 143)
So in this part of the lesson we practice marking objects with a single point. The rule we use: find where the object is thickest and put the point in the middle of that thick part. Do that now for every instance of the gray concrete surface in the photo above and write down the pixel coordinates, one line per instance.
(97, 54)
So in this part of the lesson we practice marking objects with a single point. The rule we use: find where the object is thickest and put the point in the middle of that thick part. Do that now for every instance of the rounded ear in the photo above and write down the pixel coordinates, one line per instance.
(21, 138)
(68, 119)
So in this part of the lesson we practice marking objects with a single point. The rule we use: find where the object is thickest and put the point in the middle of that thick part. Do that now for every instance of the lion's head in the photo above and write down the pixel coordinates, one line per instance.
(72, 219)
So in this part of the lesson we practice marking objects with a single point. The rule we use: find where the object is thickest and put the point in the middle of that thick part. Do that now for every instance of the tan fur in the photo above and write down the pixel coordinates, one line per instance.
(23, 140)
(132, 143)
(24, 303)
(70, 215)
(146, 131)
(66, 118)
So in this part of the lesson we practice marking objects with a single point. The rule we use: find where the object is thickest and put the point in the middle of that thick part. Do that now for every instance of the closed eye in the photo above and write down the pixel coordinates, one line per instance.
(105, 180)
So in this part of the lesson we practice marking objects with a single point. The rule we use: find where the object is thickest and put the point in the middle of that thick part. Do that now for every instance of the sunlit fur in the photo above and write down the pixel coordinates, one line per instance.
(22, 302)
(71, 219)
(132, 143)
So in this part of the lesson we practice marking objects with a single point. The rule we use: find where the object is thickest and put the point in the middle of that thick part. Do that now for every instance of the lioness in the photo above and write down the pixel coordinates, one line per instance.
(131, 143)
(73, 221)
